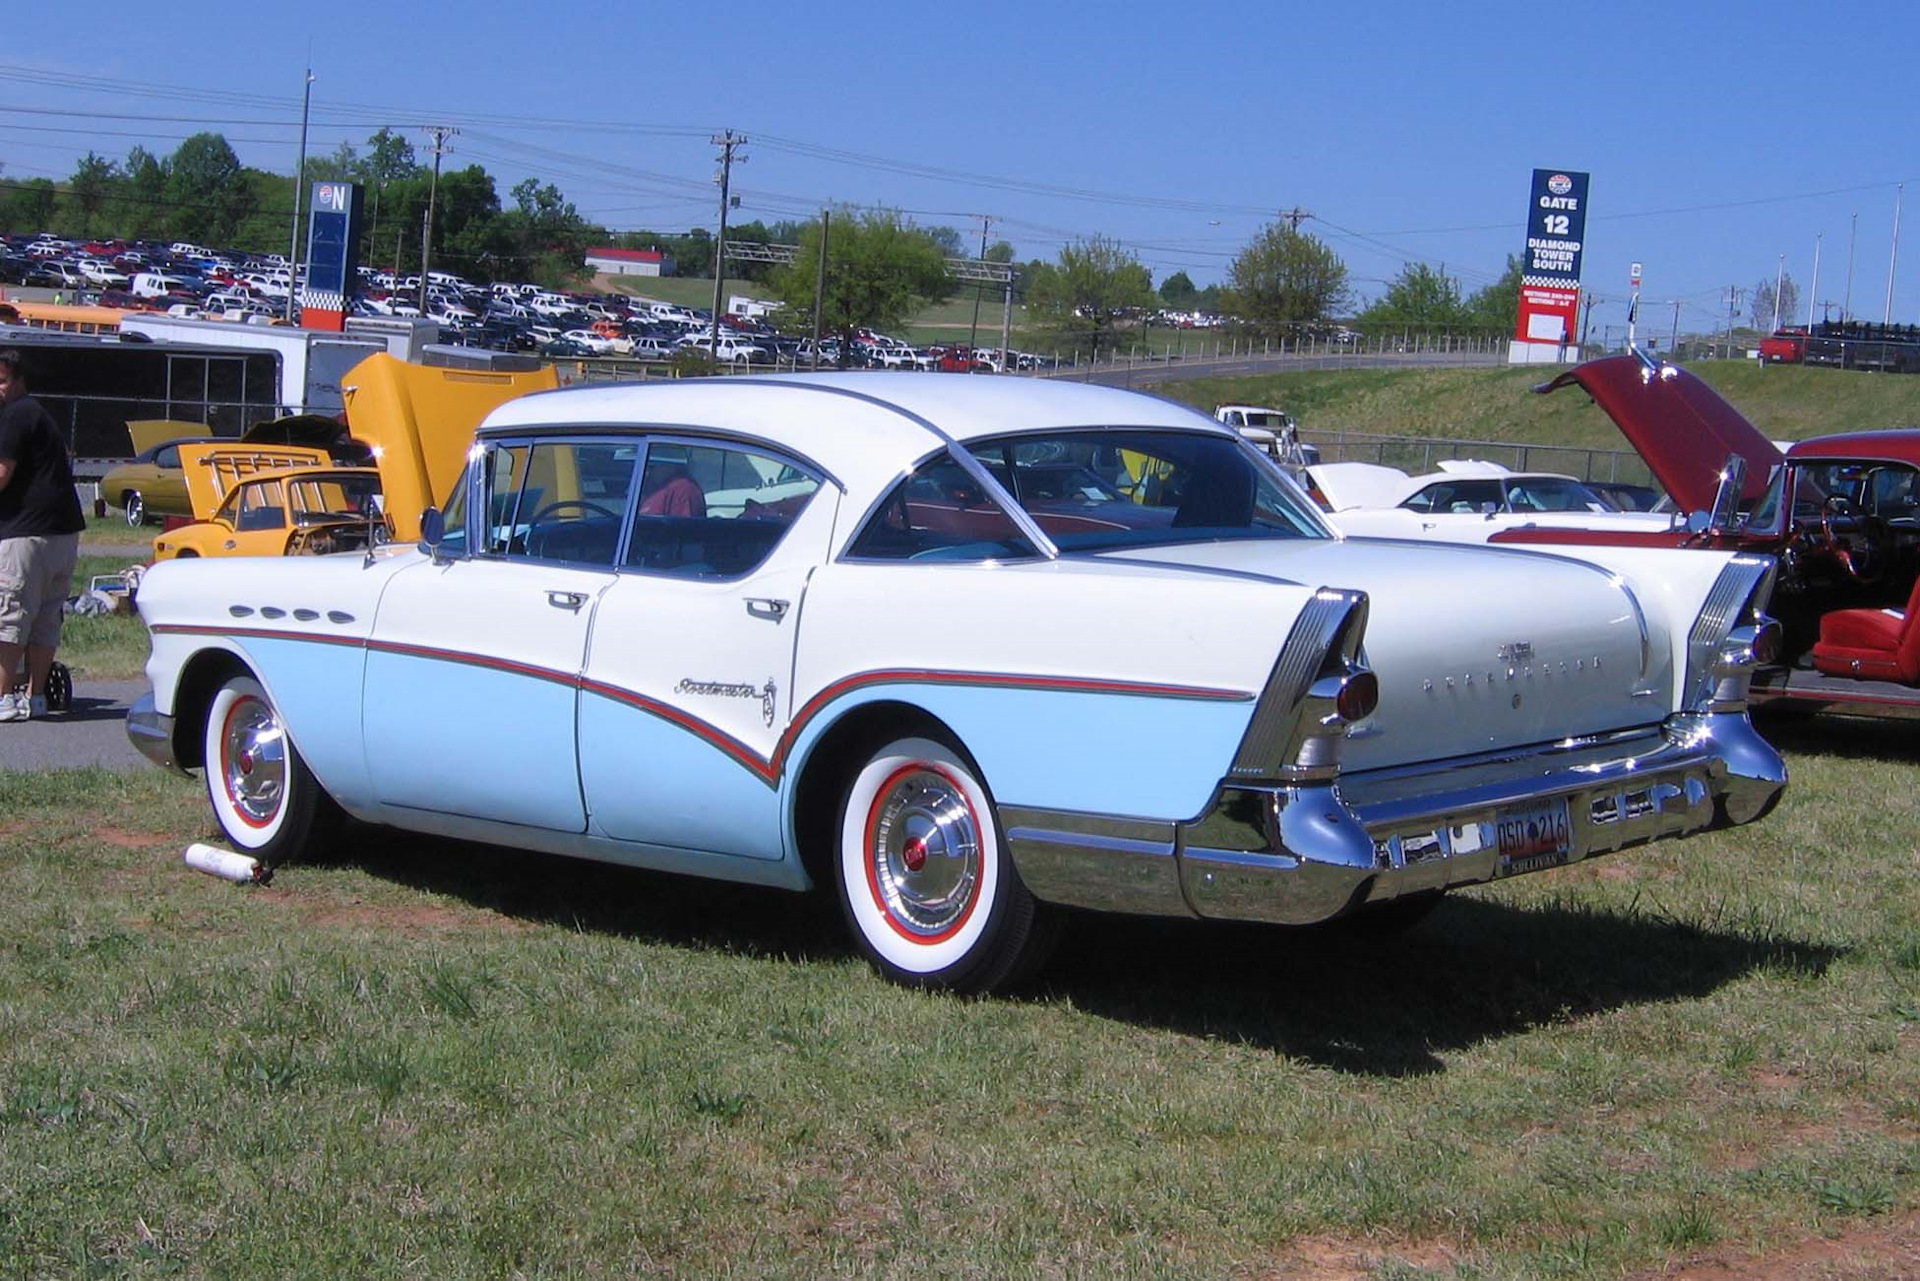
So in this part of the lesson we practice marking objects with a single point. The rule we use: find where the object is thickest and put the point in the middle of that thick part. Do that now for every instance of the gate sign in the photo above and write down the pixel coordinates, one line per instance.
(1550, 280)
(333, 245)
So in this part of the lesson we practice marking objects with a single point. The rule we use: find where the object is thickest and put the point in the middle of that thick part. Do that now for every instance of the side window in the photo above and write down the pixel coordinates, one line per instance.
(713, 511)
(506, 468)
(454, 515)
(168, 457)
(575, 499)
(261, 507)
(940, 512)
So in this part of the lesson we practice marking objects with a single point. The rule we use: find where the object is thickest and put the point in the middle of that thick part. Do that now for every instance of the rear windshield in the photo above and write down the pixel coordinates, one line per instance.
(1107, 488)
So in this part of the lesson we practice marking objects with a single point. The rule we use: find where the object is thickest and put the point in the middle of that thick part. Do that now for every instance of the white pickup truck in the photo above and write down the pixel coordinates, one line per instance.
(1273, 430)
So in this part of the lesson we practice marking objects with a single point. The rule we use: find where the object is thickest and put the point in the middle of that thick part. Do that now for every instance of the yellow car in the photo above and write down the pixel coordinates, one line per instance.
(274, 504)
(287, 500)
(152, 485)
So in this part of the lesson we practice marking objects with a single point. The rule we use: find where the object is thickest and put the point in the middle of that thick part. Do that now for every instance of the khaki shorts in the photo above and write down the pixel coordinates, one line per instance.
(36, 575)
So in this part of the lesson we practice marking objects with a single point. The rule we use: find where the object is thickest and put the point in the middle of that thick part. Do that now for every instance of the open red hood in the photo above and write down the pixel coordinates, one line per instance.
(1680, 425)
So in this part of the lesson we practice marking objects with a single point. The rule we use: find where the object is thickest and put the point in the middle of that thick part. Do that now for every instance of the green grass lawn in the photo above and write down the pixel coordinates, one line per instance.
(108, 647)
(423, 1055)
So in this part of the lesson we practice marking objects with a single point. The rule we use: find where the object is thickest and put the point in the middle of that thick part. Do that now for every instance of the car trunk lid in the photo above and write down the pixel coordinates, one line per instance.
(1561, 648)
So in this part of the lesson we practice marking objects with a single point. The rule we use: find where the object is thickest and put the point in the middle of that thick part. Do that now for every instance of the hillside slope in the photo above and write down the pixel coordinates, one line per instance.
(1497, 404)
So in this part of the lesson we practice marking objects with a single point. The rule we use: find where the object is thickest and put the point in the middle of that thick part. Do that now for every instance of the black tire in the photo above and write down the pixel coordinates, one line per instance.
(264, 797)
(926, 883)
(59, 688)
(188, 554)
(136, 507)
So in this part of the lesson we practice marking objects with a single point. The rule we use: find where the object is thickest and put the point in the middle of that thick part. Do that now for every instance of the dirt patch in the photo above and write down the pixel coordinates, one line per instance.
(1884, 1253)
(407, 920)
(1326, 1258)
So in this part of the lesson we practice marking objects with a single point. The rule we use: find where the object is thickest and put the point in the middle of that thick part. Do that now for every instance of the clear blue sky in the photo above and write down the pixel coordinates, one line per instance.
(1719, 136)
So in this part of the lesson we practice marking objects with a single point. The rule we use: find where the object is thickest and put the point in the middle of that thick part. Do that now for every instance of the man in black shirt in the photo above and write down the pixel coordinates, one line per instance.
(40, 524)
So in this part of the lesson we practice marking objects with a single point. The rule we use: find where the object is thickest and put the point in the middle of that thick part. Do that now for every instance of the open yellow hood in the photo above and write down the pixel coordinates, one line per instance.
(213, 470)
(420, 420)
(148, 432)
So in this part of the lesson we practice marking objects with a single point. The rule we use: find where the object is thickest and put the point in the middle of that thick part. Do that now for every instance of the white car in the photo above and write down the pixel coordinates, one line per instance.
(598, 344)
(103, 274)
(1466, 501)
(967, 651)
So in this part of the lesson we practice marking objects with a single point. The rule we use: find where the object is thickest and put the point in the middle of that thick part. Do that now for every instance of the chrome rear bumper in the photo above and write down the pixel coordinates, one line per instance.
(1300, 855)
(152, 732)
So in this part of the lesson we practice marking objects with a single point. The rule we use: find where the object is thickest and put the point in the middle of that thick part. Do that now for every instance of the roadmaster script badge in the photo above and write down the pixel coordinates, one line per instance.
(722, 689)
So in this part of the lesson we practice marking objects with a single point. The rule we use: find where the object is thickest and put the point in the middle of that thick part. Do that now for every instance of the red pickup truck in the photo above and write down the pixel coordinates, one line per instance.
(1785, 347)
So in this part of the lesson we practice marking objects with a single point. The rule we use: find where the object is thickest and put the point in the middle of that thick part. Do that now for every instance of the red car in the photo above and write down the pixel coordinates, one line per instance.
(1842, 514)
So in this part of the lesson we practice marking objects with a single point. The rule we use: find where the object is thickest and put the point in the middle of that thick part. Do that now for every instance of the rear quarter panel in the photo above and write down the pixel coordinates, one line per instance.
(1120, 690)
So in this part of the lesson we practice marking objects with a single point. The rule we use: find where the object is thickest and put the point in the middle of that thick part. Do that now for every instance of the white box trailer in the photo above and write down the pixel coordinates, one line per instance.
(312, 362)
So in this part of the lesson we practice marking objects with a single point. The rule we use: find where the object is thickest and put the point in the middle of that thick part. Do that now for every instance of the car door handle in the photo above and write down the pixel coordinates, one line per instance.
(766, 607)
(566, 600)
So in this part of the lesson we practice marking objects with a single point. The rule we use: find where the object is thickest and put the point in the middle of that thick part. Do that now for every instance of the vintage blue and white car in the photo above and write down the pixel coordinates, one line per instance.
(965, 650)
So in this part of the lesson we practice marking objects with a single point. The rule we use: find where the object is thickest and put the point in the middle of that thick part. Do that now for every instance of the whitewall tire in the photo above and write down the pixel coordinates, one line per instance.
(925, 880)
(264, 796)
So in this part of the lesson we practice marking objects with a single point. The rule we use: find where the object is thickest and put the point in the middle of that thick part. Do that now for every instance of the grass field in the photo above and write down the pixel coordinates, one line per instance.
(106, 647)
(423, 1056)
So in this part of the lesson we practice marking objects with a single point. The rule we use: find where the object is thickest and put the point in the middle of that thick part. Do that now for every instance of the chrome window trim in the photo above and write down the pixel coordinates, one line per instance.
(664, 430)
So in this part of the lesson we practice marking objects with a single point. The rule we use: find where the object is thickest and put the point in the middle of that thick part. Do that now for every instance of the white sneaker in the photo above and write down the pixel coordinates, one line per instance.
(15, 707)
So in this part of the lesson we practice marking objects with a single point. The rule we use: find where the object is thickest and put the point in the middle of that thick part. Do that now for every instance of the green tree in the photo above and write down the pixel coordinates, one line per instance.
(546, 237)
(1497, 306)
(1286, 278)
(1000, 251)
(208, 192)
(92, 183)
(139, 208)
(30, 206)
(880, 270)
(1418, 296)
(1094, 286)
(1177, 291)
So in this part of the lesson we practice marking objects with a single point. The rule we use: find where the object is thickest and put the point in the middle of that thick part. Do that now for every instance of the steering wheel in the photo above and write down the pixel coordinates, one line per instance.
(561, 504)
(1852, 546)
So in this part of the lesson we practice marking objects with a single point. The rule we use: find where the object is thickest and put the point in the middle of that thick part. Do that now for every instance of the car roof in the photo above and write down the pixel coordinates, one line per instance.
(864, 428)
(1893, 446)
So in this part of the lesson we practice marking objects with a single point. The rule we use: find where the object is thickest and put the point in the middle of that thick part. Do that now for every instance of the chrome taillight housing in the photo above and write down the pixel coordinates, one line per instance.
(1318, 689)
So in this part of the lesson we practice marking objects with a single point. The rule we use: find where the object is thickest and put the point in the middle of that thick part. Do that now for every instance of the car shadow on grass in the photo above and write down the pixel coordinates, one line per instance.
(1392, 1005)
(1849, 738)
(1344, 997)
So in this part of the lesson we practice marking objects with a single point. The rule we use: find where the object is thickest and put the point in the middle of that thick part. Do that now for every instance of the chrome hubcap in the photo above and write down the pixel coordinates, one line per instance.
(253, 761)
(924, 852)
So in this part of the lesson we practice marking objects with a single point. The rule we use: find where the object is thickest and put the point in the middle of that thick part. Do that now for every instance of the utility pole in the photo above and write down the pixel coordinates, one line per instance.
(973, 334)
(1898, 190)
(1814, 292)
(1294, 217)
(726, 142)
(1846, 299)
(1673, 338)
(1779, 283)
(299, 191)
(440, 134)
(820, 283)
(1588, 303)
(1733, 312)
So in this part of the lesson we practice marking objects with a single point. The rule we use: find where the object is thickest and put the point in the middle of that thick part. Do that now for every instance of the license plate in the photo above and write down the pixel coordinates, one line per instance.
(1533, 836)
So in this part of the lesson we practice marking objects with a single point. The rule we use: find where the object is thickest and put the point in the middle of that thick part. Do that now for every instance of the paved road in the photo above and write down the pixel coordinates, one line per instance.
(93, 733)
